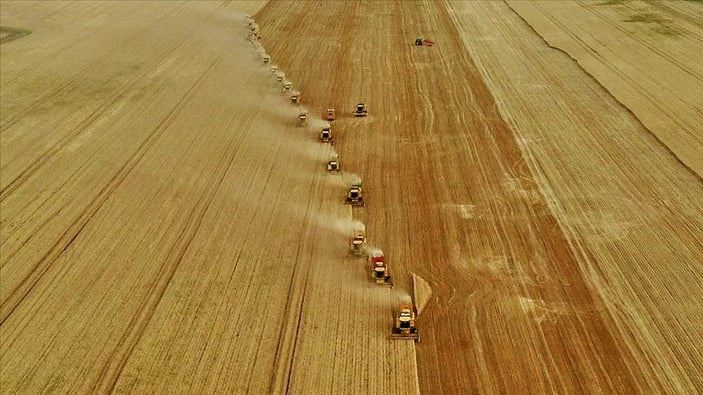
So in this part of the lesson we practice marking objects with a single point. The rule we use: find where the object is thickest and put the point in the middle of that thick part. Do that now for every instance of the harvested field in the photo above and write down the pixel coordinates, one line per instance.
(149, 239)
(166, 227)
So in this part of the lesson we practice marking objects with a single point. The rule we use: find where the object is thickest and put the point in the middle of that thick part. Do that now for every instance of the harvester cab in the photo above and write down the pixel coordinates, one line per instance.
(404, 325)
(379, 272)
(354, 196)
(361, 110)
(330, 114)
(418, 40)
(295, 97)
(358, 243)
(326, 135)
(302, 118)
(333, 164)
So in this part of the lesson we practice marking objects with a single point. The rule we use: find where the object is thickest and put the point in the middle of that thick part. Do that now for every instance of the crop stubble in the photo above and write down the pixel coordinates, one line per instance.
(548, 240)
(149, 241)
(163, 221)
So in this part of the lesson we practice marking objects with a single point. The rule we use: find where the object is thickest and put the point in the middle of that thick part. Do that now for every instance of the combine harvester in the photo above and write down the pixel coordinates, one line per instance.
(333, 164)
(295, 97)
(379, 270)
(404, 324)
(354, 196)
(326, 134)
(303, 118)
(426, 42)
(361, 110)
(357, 246)
(254, 28)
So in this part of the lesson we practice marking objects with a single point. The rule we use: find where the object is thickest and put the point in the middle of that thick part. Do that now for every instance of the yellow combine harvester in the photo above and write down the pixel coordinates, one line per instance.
(404, 325)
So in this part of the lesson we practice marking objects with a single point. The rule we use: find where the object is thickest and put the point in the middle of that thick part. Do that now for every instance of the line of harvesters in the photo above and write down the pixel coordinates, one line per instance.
(404, 324)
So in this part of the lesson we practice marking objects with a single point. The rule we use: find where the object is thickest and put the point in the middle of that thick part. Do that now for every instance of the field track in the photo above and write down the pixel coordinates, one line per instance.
(165, 226)
(541, 236)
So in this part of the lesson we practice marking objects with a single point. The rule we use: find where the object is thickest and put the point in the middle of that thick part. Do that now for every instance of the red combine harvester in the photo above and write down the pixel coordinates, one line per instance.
(379, 270)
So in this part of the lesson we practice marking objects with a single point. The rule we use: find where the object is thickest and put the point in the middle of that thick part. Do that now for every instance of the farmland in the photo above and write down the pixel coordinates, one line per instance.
(166, 225)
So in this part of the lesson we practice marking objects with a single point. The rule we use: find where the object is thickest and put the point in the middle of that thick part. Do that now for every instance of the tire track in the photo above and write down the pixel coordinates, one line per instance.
(677, 8)
(31, 67)
(592, 178)
(71, 83)
(57, 54)
(426, 82)
(82, 126)
(676, 119)
(288, 336)
(642, 42)
(72, 232)
(110, 373)
(625, 77)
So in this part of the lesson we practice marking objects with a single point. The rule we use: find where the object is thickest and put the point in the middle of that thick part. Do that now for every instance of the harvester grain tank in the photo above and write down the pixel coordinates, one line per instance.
(379, 270)
(326, 134)
(333, 164)
(354, 196)
(357, 245)
(360, 110)
(295, 97)
(404, 326)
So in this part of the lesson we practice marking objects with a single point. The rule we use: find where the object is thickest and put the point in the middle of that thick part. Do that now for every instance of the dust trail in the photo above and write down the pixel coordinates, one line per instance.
(338, 225)
(277, 108)
(319, 124)
(339, 230)
(351, 179)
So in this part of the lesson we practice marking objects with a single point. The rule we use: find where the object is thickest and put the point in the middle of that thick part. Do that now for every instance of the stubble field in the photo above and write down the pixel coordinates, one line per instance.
(167, 226)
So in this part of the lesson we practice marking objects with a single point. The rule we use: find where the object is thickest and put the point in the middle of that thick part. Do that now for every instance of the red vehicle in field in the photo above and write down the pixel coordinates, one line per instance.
(379, 270)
